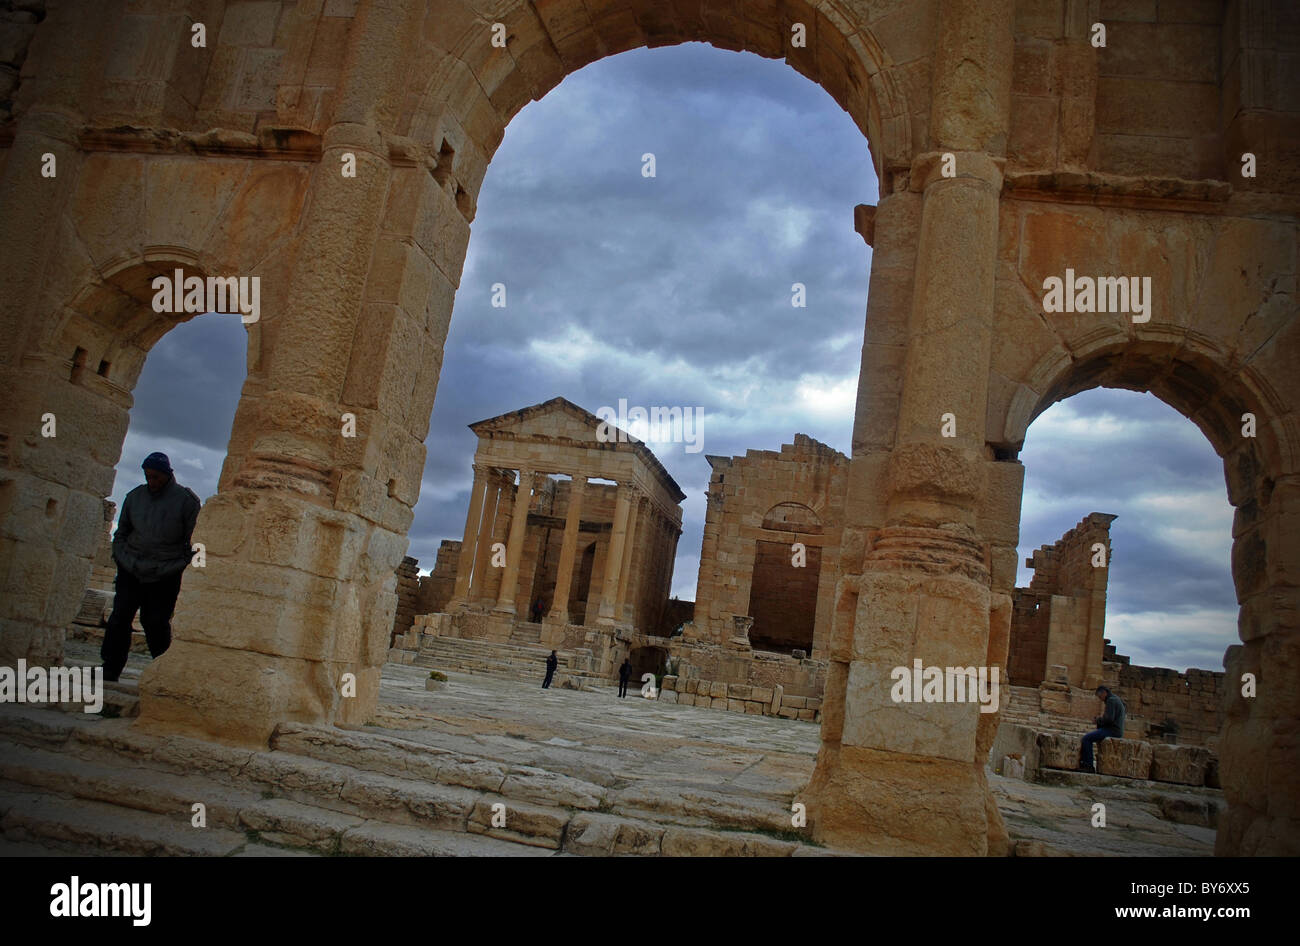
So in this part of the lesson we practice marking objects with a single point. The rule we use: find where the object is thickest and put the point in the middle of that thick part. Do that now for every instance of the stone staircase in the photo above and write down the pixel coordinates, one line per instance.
(76, 783)
(516, 660)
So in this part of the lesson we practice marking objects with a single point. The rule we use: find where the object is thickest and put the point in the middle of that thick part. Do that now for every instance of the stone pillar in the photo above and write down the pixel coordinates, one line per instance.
(492, 502)
(290, 615)
(623, 609)
(906, 777)
(614, 558)
(469, 545)
(515, 545)
(568, 552)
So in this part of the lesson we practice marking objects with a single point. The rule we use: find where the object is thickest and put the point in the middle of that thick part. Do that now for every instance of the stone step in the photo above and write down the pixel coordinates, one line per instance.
(143, 789)
(352, 792)
(75, 824)
(98, 754)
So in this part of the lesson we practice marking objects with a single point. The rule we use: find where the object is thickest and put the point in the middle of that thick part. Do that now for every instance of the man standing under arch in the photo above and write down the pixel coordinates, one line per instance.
(151, 548)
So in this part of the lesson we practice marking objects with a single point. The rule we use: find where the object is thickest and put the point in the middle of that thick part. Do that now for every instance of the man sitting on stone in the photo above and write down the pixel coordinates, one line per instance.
(1110, 724)
(151, 548)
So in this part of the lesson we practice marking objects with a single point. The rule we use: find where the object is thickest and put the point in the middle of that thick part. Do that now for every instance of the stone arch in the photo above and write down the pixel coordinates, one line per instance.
(83, 363)
(645, 659)
(460, 104)
(793, 517)
(1203, 382)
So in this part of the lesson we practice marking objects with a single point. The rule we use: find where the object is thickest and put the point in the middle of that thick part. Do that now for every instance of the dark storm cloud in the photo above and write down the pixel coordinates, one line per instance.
(676, 291)
(1170, 594)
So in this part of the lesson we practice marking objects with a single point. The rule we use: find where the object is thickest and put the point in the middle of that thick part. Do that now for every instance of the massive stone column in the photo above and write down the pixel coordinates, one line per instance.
(515, 546)
(469, 544)
(614, 556)
(568, 552)
(623, 606)
(494, 505)
(906, 777)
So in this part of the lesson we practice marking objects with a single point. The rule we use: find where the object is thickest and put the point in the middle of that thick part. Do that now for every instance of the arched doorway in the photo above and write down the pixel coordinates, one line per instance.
(1226, 403)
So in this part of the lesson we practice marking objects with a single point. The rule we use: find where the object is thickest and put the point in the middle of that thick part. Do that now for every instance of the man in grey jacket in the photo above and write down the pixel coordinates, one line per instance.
(151, 548)
(1110, 724)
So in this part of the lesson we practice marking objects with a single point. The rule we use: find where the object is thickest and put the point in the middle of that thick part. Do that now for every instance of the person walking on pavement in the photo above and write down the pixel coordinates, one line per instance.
(551, 663)
(624, 674)
(151, 548)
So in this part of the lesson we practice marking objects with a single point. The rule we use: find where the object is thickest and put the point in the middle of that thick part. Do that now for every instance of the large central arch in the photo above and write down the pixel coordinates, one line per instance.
(1004, 145)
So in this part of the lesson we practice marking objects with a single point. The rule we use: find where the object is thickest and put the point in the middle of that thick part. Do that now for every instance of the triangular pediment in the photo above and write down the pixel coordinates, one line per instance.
(556, 419)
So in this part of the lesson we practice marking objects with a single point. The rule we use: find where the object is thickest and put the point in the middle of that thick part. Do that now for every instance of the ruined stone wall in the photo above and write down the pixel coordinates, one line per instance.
(436, 587)
(1170, 706)
(408, 592)
(784, 497)
(1060, 619)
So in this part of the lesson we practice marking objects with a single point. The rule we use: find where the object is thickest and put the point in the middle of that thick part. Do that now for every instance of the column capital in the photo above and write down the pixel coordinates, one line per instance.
(977, 166)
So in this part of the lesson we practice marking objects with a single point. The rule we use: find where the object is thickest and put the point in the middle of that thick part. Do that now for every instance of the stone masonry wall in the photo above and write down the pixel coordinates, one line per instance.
(436, 587)
(1060, 618)
(408, 591)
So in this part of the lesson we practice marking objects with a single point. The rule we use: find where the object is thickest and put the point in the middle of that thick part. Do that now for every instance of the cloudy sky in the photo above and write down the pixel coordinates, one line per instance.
(676, 291)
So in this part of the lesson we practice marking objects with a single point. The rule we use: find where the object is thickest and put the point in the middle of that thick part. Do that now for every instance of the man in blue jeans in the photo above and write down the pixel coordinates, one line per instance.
(1110, 724)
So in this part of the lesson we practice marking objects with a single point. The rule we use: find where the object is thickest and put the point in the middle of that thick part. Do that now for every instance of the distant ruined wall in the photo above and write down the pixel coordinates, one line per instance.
(408, 590)
(759, 506)
(1186, 708)
(1060, 619)
(436, 587)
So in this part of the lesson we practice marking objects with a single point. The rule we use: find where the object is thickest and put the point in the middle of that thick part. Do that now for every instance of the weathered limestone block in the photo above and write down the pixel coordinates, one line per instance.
(668, 696)
(670, 683)
(1183, 765)
(1129, 758)
(686, 699)
(778, 696)
(1198, 811)
(735, 706)
(528, 824)
(1058, 750)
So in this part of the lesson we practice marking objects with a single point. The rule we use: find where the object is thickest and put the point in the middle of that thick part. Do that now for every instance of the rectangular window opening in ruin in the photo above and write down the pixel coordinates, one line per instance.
(103, 369)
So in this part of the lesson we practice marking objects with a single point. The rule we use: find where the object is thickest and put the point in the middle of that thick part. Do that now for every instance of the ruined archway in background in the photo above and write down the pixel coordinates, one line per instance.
(1201, 383)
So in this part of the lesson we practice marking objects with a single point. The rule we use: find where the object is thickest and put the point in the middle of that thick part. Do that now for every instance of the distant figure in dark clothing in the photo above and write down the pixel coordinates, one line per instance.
(151, 548)
(538, 608)
(551, 663)
(1110, 725)
(624, 674)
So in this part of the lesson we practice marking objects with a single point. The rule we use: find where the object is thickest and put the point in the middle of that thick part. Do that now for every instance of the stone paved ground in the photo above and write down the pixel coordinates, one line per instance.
(663, 752)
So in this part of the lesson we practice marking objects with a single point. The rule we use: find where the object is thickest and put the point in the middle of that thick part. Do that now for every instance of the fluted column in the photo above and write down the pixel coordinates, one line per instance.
(568, 552)
(621, 607)
(614, 557)
(483, 551)
(469, 544)
(515, 544)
